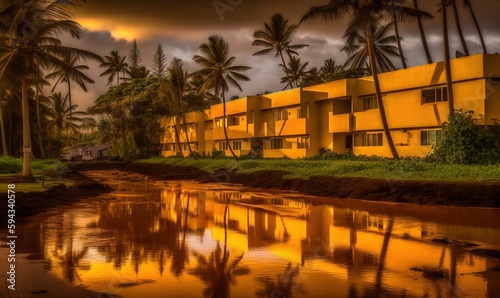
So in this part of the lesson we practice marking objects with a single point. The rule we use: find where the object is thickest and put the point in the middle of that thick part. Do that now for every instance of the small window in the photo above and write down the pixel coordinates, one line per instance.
(237, 145)
(372, 139)
(276, 143)
(430, 137)
(222, 146)
(236, 121)
(195, 127)
(435, 95)
(370, 103)
(303, 143)
(218, 122)
(278, 115)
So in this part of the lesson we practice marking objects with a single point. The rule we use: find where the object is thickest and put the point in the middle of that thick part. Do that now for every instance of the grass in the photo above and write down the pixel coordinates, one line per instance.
(10, 167)
(404, 169)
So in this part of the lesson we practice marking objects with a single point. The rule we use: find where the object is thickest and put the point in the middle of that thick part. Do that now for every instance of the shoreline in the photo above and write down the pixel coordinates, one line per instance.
(425, 193)
(432, 193)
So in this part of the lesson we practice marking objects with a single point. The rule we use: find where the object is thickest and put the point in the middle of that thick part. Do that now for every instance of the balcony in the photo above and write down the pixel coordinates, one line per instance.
(233, 132)
(340, 123)
(367, 120)
(285, 127)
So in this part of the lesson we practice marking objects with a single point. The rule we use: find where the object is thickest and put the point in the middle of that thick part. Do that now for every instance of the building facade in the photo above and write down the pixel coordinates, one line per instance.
(343, 115)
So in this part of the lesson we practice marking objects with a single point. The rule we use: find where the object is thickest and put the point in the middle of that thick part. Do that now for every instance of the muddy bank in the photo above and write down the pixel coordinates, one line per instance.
(415, 192)
(32, 203)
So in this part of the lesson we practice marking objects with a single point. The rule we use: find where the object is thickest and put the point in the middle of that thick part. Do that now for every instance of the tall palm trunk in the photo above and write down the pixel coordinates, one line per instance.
(177, 137)
(473, 15)
(373, 65)
(459, 28)
(398, 39)
(225, 126)
(38, 122)
(26, 174)
(286, 70)
(184, 122)
(422, 34)
(69, 95)
(2, 128)
(447, 62)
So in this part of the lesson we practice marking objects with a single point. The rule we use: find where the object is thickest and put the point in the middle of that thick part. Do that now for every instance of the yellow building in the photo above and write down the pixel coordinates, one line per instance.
(343, 115)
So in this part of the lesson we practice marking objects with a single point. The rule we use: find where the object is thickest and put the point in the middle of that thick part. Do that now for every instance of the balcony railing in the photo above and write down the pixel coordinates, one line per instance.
(341, 123)
(285, 127)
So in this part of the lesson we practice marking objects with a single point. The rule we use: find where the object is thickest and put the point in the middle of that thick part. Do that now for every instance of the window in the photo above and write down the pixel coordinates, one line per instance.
(430, 137)
(372, 139)
(236, 121)
(303, 143)
(370, 103)
(237, 145)
(277, 115)
(434, 95)
(218, 122)
(194, 127)
(301, 113)
(222, 146)
(276, 143)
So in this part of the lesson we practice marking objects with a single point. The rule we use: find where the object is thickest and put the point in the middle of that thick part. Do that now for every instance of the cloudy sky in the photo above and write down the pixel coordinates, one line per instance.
(181, 26)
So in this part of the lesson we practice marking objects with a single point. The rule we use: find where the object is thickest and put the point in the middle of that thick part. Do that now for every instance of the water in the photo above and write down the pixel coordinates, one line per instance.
(182, 239)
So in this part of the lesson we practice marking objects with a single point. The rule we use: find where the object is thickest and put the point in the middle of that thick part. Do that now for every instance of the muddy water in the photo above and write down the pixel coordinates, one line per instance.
(182, 239)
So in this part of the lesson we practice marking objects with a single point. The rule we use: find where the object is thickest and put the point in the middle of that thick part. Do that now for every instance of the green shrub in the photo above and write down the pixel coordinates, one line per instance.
(464, 142)
(10, 165)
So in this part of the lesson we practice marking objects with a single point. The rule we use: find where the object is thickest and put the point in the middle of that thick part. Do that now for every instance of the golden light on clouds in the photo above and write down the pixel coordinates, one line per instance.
(117, 31)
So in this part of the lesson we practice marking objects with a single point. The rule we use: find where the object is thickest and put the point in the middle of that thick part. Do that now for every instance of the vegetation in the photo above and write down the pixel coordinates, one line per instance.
(130, 115)
(277, 37)
(464, 142)
(348, 166)
(219, 72)
(30, 43)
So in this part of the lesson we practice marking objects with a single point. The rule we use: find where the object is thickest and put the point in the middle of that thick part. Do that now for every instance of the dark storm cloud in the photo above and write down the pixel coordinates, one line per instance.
(181, 26)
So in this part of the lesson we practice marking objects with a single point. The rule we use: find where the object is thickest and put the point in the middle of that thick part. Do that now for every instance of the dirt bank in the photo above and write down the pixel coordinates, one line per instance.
(32, 203)
(416, 192)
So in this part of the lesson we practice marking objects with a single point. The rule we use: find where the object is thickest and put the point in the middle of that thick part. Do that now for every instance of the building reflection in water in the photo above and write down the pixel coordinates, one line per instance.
(221, 242)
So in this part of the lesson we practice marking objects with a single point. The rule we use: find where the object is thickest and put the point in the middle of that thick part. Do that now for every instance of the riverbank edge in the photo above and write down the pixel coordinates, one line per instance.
(29, 204)
(463, 194)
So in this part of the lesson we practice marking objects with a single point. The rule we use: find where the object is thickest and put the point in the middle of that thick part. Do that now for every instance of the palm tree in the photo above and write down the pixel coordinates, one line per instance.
(176, 89)
(398, 39)
(219, 72)
(422, 34)
(62, 116)
(331, 72)
(384, 45)
(296, 72)
(277, 37)
(115, 65)
(285, 285)
(459, 26)
(447, 62)
(363, 12)
(29, 41)
(468, 5)
(62, 76)
(313, 77)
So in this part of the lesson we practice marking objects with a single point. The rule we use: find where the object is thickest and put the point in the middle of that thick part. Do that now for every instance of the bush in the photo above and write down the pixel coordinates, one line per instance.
(10, 165)
(464, 142)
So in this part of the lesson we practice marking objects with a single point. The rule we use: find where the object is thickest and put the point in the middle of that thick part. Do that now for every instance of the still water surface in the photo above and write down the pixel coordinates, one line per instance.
(182, 239)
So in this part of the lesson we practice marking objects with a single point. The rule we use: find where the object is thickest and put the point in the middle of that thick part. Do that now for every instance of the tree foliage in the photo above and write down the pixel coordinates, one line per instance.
(465, 142)
(131, 113)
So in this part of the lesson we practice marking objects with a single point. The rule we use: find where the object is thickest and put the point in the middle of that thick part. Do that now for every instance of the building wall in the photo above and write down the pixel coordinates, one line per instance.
(301, 121)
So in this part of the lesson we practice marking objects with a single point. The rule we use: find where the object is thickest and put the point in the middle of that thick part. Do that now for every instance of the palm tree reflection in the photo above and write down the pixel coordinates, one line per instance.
(285, 285)
(216, 272)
